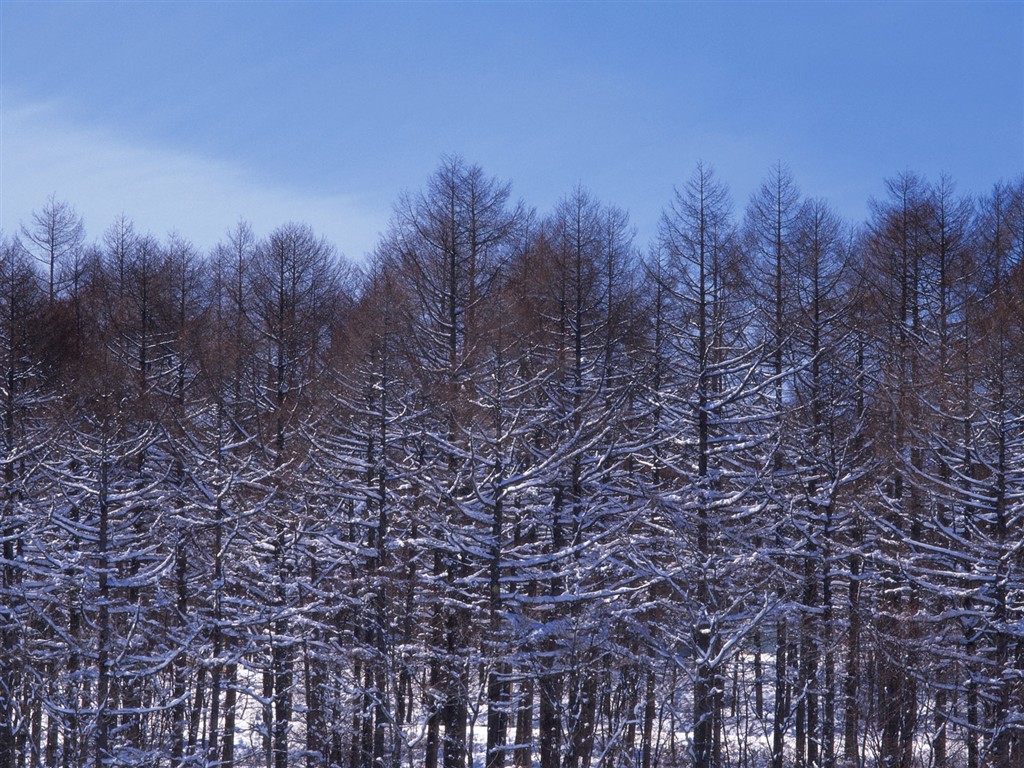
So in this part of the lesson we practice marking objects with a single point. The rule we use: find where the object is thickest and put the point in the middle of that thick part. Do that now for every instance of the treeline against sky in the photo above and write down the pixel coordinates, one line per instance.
(514, 493)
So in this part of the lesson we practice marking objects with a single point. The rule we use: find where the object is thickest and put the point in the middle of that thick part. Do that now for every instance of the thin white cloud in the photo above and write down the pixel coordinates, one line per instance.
(161, 190)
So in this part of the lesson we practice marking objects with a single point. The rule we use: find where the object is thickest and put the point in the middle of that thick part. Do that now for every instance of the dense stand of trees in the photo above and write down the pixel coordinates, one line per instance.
(513, 494)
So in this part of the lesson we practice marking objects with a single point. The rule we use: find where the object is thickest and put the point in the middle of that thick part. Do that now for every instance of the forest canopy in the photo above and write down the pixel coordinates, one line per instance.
(516, 492)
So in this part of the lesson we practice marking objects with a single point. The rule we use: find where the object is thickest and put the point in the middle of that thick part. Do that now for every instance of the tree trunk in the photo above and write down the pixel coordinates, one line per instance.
(523, 754)
(227, 759)
(781, 713)
(650, 712)
(851, 683)
(550, 724)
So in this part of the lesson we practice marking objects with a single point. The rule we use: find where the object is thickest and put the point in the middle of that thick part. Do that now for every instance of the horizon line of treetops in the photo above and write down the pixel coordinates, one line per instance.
(513, 493)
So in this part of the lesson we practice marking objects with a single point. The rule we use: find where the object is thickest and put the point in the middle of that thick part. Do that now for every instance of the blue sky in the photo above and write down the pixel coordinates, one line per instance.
(191, 115)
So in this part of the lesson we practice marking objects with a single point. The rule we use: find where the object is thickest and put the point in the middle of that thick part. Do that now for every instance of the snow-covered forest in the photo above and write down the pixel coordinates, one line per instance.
(518, 491)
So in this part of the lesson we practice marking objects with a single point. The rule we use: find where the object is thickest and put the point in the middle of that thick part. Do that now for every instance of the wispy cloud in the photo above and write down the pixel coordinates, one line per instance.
(103, 175)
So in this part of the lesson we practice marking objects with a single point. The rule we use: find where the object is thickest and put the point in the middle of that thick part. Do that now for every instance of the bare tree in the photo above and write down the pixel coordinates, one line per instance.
(53, 237)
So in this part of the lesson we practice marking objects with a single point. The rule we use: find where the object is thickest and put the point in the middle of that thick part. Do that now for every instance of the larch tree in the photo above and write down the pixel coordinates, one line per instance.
(715, 406)
(22, 437)
(450, 243)
(292, 288)
(55, 234)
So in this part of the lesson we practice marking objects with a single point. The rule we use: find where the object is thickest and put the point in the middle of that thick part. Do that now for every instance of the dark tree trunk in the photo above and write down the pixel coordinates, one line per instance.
(550, 722)
(227, 759)
(523, 754)
(851, 683)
